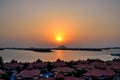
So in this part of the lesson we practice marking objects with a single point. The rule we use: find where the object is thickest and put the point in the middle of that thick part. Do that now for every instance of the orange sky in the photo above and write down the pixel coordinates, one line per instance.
(79, 23)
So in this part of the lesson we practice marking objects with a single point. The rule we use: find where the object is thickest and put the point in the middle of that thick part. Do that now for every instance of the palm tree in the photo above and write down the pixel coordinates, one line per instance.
(1, 62)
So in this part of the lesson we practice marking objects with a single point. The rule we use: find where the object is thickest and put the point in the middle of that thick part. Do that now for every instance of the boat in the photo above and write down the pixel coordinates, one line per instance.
(115, 54)
(1, 49)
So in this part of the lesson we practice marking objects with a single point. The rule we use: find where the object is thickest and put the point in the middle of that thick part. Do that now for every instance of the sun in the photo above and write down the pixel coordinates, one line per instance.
(59, 38)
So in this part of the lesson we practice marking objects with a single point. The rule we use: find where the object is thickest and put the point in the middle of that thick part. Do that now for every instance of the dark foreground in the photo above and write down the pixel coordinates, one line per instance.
(91, 69)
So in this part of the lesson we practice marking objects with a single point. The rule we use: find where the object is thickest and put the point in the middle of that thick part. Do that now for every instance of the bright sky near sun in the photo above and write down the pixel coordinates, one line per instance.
(51, 23)
(59, 38)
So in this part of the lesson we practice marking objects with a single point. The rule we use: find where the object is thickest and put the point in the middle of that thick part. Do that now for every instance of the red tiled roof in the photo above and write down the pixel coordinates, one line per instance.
(58, 64)
(71, 78)
(108, 72)
(102, 66)
(117, 66)
(13, 65)
(29, 73)
(97, 63)
(94, 72)
(113, 62)
(63, 69)
(58, 75)
(47, 78)
(83, 66)
(82, 62)
(39, 64)
(81, 79)
(98, 73)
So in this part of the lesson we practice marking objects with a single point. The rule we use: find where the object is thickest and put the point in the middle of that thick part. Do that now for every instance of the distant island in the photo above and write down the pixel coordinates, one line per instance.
(82, 49)
(32, 49)
(39, 50)
(50, 49)
(61, 48)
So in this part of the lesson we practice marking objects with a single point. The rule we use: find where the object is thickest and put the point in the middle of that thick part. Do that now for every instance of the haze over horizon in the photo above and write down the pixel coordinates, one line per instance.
(75, 23)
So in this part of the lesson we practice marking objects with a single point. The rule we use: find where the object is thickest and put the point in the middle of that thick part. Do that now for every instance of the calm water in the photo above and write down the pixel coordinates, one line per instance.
(30, 56)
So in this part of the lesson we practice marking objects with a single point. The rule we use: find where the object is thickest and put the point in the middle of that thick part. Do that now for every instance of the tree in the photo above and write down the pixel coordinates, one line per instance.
(1, 62)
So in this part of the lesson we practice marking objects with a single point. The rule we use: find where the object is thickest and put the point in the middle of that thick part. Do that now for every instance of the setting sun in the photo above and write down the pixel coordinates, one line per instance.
(59, 38)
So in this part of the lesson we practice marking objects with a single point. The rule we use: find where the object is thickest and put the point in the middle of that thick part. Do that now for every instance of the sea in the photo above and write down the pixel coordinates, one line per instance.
(66, 55)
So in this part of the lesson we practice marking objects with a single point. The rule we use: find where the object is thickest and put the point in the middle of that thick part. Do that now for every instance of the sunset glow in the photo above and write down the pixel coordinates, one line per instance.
(73, 23)
(59, 38)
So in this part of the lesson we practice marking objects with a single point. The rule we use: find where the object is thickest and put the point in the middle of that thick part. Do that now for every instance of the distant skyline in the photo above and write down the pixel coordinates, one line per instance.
(77, 23)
